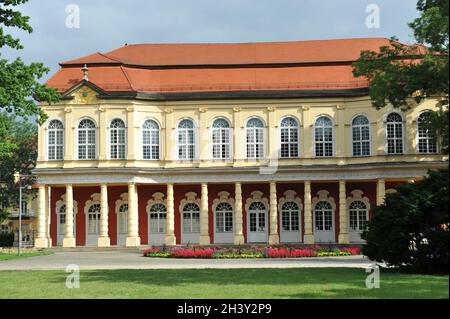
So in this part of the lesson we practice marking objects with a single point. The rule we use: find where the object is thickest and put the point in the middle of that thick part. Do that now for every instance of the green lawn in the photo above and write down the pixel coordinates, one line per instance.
(221, 283)
(26, 253)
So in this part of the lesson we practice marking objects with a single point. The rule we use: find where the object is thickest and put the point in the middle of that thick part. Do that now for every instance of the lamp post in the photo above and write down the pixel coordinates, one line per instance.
(18, 179)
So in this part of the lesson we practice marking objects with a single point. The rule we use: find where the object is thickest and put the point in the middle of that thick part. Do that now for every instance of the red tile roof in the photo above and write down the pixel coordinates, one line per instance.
(302, 65)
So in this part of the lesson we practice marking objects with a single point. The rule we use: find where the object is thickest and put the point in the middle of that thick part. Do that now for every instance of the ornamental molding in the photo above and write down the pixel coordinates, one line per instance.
(130, 108)
(323, 195)
(95, 199)
(62, 202)
(202, 109)
(168, 110)
(256, 196)
(237, 109)
(357, 195)
(68, 110)
(290, 196)
(222, 197)
(158, 198)
(271, 108)
(123, 200)
(340, 107)
(102, 108)
(305, 107)
(191, 197)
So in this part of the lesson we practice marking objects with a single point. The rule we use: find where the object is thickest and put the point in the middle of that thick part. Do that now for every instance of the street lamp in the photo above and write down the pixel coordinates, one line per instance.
(18, 179)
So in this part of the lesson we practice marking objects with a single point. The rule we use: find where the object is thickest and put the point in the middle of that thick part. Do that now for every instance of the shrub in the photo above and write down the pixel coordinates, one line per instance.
(6, 240)
(191, 253)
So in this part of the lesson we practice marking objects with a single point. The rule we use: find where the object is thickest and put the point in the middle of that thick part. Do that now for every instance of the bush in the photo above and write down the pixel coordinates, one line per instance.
(410, 231)
(6, 240)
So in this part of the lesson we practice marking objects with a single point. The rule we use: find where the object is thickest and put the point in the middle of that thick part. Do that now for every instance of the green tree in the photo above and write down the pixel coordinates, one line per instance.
(403, 75)
(19, 83)
(411, 229)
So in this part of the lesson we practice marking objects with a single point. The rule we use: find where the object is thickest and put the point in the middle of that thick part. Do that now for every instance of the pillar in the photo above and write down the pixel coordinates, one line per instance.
(48, 218)
(274, 238)
(381, 191)
(133, 239)
(238, 225)
(204, 232)
(309, 235)
(69, 238)
(170, 217)
(343, 237)
(103, 239)
(41, 239)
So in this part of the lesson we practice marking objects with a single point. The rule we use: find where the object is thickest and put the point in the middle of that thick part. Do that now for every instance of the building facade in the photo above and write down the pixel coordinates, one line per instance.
(221, 144)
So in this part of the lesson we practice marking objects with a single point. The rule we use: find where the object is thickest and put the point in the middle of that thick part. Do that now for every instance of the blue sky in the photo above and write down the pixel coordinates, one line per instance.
(108, 24)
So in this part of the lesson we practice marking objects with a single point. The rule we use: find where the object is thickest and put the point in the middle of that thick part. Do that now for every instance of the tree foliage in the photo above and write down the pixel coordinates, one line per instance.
(411, 229)
(404, 75)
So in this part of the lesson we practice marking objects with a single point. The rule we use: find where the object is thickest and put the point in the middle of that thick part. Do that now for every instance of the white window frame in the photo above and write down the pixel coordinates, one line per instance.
(395, 138)
(78, 143)
(427, 138)
(221, 144)
(361, 140)
(185, 130)
(262, 130)
(333, 137)
(111, 144)
(56, 145)
(151, 145)
(289, 142)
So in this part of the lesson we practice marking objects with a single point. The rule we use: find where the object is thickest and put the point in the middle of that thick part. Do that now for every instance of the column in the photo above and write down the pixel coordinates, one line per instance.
(341, 136)
(131, 136)
(69, 239)
(69, 152)
(381, 191)
(274, 238)
(204, 233)
(170, 217)
(133, 239)
(343, 237)
(48, 211)
(238, 228)
(309, 235)
(103, 239)
(103, 135)
(41, 239)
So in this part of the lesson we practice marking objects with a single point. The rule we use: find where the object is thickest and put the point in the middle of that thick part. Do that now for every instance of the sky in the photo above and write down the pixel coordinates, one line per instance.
(108, 24)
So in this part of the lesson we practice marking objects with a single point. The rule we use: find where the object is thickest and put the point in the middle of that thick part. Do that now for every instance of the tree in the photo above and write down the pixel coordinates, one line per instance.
(411, 229)
(404, 75)
(19, 83)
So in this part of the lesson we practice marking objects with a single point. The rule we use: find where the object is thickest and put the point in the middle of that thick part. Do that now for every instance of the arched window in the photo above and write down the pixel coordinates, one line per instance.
(394, 133)
(191, 218)
(186, 140)
(117, 139)
(62, 220)
(150, 140)
(221, 138)
(255, 138)
(289, 138)
(86, 140)
(361, 136)
(55, 140)
(123, 219)
(158, 218)
(323, 213)
(224, 218)
(427, 141)
(290, 216)
(94, 219)
(323, 137)
(257, 212)
(358, 215)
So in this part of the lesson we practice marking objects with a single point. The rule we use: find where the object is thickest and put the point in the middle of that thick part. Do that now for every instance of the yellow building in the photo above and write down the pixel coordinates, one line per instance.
(221, 143)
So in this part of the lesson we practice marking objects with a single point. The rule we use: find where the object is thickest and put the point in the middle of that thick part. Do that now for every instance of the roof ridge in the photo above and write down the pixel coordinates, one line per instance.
(127, 77)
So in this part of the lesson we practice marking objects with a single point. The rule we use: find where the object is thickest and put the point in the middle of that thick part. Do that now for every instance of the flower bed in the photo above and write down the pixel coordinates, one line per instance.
(278, 251)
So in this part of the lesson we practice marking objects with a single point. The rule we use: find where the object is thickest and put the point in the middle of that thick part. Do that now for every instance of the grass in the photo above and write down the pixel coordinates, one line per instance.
(12, 254)
(221, 283)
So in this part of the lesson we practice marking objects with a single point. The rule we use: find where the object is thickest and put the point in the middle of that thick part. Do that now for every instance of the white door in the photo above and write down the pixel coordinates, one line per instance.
(61, 225)
(358, 217)
(223, 221)
(257, 223)
(290, 230)
(324, 223)
(122, 225)
(190, 222)
(157, 224)
(93, 225)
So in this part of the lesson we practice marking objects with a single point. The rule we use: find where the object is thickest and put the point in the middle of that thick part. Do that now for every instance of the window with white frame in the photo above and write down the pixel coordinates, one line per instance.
(117, 139)
(323, 214)
(62, 219)
(257, 212)
(255, 138)
(150, 140)
(86, 140)
(4, 229)
(158, 218)
(289, 134)
(323, 137)
(224, 218)
(361, 136)
(358, 215)
(94, 219)
(186, 140)
(427, 141)
(221, 139)
(191, 218)
(394, 133)
(290, 216)
(123, 219)
(55, 140)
